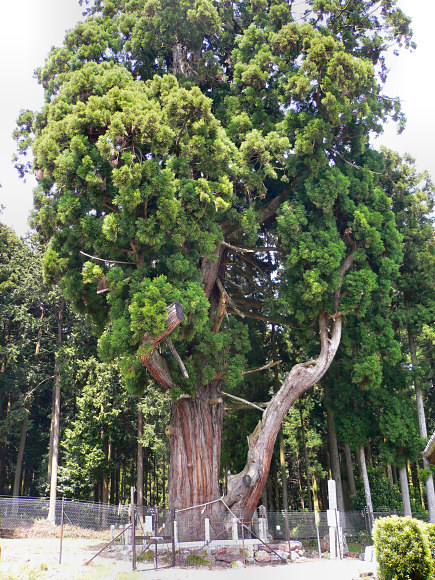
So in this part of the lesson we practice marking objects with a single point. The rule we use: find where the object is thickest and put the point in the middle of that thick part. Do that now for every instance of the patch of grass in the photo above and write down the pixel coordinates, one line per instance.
(197, 560)
(27, 573)
(147, 556)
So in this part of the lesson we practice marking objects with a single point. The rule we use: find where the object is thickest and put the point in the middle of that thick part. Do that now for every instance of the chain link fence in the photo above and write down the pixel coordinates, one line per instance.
(23, 512)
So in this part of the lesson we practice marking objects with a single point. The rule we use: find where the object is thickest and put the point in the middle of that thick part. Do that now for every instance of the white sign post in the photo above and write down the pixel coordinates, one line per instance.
(335, 532)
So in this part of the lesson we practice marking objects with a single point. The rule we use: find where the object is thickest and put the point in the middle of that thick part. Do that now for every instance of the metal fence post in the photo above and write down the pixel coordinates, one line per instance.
(61, 530)
(133, 531)
(173, 522)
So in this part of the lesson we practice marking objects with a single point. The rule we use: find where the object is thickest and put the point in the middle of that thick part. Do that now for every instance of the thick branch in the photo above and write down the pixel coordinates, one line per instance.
(261, 442)
(153, 361)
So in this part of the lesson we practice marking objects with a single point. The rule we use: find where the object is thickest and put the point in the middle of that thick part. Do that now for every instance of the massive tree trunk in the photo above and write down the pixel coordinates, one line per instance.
(430, 491)
(245, 492)
(196, 424)
(195, 434)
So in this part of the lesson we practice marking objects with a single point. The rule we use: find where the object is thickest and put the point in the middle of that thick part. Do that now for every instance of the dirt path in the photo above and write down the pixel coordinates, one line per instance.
(34, 559)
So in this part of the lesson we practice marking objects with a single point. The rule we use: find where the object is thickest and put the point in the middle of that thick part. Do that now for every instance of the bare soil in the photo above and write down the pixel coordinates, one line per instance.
(38, 558)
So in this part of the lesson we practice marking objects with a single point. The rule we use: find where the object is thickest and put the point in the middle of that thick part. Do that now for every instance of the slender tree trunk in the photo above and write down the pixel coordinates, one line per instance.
(50, 446)
(300, 486)
(283, 471)
(20, 456)
(366, 483)
(307, 467)
(430, 491)
(390, 473)
(335, 459)
(350, 475)
(140, 463)
(404, 489)
(56, 421)
(315, 494)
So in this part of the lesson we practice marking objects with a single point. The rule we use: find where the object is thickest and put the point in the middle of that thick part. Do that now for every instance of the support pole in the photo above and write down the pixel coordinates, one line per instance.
(61, 530)
(133, 530)
(173, 535)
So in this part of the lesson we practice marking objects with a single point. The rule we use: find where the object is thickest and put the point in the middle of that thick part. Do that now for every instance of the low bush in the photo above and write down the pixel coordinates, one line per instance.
(403, 549)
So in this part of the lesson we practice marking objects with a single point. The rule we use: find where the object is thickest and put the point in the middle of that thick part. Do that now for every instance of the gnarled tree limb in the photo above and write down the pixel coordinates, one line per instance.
(153, 360)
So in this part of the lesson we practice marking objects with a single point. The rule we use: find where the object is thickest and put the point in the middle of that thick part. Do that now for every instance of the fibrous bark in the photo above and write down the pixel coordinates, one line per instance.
(195, 441)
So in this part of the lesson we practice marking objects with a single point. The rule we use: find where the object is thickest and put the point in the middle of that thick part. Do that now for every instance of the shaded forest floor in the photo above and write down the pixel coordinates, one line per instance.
(38, 558)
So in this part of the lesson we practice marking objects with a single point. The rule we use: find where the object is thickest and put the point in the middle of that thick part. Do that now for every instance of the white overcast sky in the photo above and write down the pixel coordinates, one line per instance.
(30, 27)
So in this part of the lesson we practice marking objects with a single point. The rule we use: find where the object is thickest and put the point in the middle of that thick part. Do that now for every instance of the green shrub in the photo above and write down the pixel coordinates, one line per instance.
(402, 549)
(197, 560)
(430, 532)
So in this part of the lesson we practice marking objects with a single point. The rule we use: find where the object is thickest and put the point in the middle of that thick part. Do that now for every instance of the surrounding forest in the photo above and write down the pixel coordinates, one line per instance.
(228, 290)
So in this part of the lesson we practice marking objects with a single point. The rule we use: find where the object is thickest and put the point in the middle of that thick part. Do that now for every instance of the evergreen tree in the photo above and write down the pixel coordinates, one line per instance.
(216, 155)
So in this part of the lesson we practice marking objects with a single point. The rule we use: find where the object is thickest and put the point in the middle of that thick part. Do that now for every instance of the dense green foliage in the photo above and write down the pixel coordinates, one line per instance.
(197, 151)
(157, 172)
(403, 549)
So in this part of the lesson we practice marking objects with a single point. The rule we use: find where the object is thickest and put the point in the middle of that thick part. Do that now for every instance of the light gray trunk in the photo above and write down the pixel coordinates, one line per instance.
(243, 499)
(404, 489)
(55, 421)
(335, 459)
(430, 491)
(365, 478)
(350, 476)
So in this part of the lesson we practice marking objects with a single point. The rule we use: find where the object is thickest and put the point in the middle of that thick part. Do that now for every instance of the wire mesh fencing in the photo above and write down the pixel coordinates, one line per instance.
(194, 524)
(23, 512)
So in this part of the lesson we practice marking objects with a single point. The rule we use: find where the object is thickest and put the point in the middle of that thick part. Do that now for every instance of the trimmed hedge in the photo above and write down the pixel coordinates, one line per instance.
(403, 548)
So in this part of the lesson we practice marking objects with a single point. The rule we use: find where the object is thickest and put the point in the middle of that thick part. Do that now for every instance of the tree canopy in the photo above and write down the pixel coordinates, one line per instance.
(218, 155)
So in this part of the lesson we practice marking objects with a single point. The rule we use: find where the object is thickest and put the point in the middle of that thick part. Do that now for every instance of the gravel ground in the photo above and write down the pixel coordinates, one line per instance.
(34, 559)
